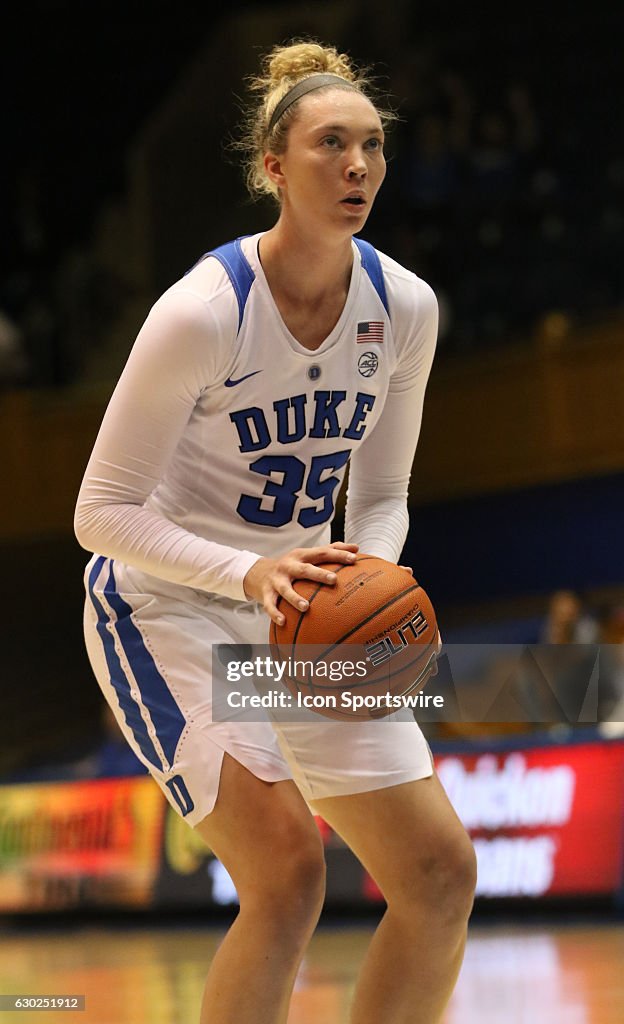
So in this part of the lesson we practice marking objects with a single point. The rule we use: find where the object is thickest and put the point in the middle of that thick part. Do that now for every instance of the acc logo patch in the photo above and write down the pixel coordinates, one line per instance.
(368, 363)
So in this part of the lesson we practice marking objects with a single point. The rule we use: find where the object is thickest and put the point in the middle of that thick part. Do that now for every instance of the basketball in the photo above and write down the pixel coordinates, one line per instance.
(363, 644)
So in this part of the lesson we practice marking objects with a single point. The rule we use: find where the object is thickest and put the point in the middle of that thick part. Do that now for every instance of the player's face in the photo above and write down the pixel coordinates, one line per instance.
(334, 161)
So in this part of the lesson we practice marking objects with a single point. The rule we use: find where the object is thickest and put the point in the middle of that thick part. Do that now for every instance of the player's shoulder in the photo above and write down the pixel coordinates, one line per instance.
(408, 294)
(204, 292)
(413, 308)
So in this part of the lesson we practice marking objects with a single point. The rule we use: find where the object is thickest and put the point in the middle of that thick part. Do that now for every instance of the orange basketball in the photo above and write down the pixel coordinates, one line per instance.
(376, 617)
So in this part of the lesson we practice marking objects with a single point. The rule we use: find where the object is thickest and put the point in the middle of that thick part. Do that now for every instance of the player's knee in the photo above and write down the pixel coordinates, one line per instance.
(302, 872)
(463, 879)
(452, 882)
(292, 881)
(442, 886)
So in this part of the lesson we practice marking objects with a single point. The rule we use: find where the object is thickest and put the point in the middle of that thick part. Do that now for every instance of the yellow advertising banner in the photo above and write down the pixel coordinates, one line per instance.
(85, 843)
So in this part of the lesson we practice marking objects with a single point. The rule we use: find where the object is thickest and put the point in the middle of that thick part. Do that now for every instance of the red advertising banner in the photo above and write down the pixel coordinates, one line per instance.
(86, 843)
(545, 821)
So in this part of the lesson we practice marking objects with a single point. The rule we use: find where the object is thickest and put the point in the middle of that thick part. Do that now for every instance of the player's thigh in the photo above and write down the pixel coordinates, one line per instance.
(152, 655)
(264, 834)
(330, 758)
(408, 837)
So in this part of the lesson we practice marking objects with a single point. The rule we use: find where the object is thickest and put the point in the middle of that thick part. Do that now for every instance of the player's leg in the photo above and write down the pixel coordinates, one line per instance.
(410, 840)
(265, 836)
(152, 657)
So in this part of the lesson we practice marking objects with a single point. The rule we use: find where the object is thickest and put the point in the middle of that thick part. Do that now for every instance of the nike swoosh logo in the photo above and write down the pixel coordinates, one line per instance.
(232, 383)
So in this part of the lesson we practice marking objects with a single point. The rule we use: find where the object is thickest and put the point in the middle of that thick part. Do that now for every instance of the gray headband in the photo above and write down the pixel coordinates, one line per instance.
(308, 84)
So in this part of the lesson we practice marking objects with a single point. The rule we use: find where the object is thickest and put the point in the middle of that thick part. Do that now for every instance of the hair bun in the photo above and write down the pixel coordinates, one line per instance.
(280, 70)
(288, 64)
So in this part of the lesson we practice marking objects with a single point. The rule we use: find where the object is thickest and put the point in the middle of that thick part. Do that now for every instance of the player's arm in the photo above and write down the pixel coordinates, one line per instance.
(376, 515)
(172, 361)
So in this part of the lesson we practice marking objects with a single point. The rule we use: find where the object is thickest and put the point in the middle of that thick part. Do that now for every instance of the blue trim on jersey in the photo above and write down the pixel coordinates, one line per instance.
(166, 717)
(237, 267)
(372, 265)
(235, 263)
(118, 677)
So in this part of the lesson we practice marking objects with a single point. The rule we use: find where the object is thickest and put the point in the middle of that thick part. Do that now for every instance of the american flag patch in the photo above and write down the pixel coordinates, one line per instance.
(370, 330)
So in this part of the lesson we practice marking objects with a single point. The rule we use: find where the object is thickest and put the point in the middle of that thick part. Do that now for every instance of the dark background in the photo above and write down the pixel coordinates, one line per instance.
(78, 80)
(509, 234)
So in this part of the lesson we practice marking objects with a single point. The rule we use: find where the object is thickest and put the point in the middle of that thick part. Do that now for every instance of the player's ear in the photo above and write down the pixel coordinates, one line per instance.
(273, 168)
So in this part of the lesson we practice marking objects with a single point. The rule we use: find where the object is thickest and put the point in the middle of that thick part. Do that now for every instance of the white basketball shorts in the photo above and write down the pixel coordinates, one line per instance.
(150, 644)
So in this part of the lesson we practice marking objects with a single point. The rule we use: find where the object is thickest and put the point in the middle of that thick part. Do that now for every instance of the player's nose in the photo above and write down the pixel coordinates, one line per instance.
(356, 166)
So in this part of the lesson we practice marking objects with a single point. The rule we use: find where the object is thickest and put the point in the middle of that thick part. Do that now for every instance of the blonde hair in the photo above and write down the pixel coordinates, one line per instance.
(281, 69)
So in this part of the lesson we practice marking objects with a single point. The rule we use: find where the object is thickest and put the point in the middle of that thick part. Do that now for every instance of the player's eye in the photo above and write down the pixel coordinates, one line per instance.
(374, 143)
(331, 141)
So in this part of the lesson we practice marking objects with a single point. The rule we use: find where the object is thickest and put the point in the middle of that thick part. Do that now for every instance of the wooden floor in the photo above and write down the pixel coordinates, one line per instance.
(524, 974)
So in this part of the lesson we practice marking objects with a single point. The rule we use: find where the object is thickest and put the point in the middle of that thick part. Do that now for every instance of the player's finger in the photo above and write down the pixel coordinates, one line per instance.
(285, 589)
(308, 571)
(318, 555)
(270, 607)
(342, 545)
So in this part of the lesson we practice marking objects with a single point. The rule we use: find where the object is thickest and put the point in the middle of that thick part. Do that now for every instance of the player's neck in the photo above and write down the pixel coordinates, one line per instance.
(296, 263)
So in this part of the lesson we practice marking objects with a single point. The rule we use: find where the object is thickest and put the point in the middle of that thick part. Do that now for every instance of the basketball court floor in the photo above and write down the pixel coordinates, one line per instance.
(525, 973)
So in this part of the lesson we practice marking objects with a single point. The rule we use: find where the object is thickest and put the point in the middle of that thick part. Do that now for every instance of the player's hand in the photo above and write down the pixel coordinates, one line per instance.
(272, 578)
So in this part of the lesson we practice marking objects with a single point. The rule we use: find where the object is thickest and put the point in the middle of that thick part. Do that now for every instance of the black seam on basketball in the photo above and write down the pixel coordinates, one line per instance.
(293, 643)
(297, 627)
(340, 687)
(382, 608)
(349, 565)
(294, 639)
(425, 649)
(344, 713)
(400, 668)
(409, 665)
(365, 558)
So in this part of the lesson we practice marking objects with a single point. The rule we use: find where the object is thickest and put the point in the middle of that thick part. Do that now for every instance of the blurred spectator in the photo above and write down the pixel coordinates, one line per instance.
(108, 756)
(567, 622)
(89, 298)
(611, 703)
(431, 169)
(13, 360)
(493, 159)
(525, 120)
(562, 666)
(113, 756)
(503, 149)
(509, 178)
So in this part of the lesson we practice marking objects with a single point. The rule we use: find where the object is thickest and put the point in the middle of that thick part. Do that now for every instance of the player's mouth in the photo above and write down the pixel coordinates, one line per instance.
(357, 205)
(356, 199)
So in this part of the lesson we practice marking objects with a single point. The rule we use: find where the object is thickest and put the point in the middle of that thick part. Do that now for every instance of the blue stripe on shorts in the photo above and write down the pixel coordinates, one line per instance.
(165, 715)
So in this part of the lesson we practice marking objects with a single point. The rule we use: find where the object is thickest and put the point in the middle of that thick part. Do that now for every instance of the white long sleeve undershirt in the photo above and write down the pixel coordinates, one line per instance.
(185, 345)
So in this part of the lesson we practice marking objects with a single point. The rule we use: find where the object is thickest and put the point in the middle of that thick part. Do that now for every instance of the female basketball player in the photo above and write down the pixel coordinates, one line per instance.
(211, 488)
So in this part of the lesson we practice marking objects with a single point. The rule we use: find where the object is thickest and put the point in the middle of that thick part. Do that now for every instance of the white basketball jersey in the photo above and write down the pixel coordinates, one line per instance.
(240, 435)
(267, 446)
